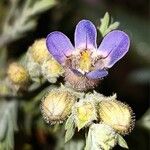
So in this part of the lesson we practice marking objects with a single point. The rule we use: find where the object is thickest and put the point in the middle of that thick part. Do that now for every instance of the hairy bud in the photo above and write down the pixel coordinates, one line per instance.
(84, 112)
(101, 136)
(57, 105)
(39, 51)
(17, 74)
(117, 115)
(51, 70)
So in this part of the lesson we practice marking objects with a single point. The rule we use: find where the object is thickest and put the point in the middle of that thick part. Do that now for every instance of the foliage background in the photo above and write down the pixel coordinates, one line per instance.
(129, 78)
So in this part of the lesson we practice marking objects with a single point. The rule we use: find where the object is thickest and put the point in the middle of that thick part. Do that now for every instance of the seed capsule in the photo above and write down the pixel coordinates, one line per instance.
(117, 115)
(17, 74)
(57, 105)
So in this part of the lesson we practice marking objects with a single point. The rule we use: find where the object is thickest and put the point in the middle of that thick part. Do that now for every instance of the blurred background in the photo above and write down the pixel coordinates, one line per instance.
(129, 78)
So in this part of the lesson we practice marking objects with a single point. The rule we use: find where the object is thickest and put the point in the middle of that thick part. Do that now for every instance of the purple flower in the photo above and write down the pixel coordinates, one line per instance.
(85, 60)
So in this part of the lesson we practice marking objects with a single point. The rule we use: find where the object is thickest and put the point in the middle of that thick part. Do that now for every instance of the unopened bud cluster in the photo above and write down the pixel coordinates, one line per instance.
(51, 70)
(103, 137)
(92, 107)
(117, 115)
(106, 117)
(84, 113)
(41, 64)
(57, 105)
(18, 74)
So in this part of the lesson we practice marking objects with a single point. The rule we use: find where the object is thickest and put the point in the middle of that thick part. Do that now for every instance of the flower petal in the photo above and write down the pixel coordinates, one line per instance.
(59, 46)
(85, 35)
(97, 74)
(76, 72)
(114, 46)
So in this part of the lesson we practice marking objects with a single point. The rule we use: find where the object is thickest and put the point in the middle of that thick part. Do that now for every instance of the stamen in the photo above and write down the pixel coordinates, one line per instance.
(85, 61)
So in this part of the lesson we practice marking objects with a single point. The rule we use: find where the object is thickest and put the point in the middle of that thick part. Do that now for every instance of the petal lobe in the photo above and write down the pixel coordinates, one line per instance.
(59, 46)
(114, 46)
(85, 35)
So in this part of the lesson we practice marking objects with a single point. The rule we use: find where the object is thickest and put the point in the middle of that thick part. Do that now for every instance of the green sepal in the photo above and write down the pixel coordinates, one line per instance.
(122, 142)
(70, 128)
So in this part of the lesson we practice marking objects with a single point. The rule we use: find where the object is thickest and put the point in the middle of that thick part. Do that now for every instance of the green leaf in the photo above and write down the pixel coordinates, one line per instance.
(107, 25)
(88, 141)
(8, 123)
(41, 6)
(70, 128)
(75, 144)
(104, 23)
(3, 57)
(122, 142)
(113, 26)
(28, 26)
(3, 127)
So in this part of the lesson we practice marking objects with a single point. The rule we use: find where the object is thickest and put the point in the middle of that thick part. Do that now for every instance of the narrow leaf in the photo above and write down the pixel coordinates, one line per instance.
(41, 6)
(88, 141)
(113, 26)
(122, 142)
(70, 128)
(104, 23)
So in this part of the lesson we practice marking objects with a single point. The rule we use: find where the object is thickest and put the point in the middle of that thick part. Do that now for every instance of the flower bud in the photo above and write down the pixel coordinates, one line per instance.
(39, 51)
(51, 70)
(117, 115)
(34, 68)
(57, 105)
(17, 74)
(97, 97)
(101, 136)
(84, 112)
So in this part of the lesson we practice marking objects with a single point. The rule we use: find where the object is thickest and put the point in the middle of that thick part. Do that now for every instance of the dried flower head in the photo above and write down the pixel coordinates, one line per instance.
(39, 51)
(117, 115)
(17, 74)
(51, 70)
(57, 105)
(85, 64)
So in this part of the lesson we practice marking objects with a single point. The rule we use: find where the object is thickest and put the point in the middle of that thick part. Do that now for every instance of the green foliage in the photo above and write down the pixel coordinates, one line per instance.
(105, 26)
(88, 145)
(122, 142)
(70, 128)
(75, 144)
(21, 19)
(8, 124)
(3, 57)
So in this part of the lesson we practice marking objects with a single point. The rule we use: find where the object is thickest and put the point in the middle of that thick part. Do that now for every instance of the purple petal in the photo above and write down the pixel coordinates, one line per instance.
(76, 72)
(114, 46)
(85, 35)
(97, 74)
(59, 46)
